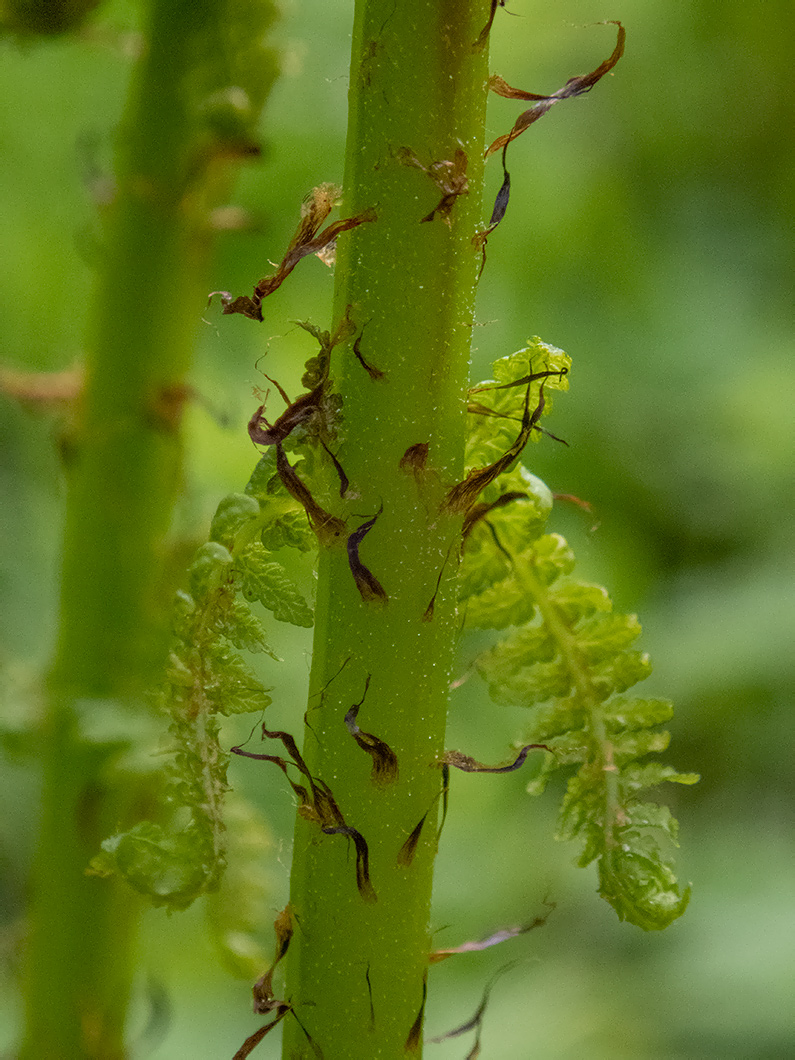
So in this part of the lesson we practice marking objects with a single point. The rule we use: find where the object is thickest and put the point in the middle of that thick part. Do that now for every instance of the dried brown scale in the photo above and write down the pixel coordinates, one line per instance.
(385, 763)
(415, 457)
(320, 806)
(495, 939)
(303, 408)
(375, 373)
(575, 86)
(262, 990)
(480, 511)
(476, 1022)
(449, 177)
(530, 378)
(363, 882)
(409, 848)
(462, 496)
(483, 36)
(427, 615)
(330, 529)
(344, 480)
(470, 765)
(414, 1039)
(254, 1039)
(366, 582)
(306, 240)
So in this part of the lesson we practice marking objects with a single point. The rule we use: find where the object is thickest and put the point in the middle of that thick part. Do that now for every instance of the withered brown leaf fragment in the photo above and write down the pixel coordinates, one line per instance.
(307, 239)
(449, 177)
(262, 990)
(471, 765)
(476, 1022)
(415, 458)
(344, 480)
(480, 511)
(375, 373)
(363, 882)
(330, 529)
(483, 36)
(385, 763)
(493, 940)
(409, 848)
(575, 86)
(366, 582)
(414, 1038)
(299, 411)
(254, 1039)
(462, 496)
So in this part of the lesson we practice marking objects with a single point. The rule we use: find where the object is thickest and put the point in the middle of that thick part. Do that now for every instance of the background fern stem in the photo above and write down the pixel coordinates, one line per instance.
(123, 480)
(357, 968)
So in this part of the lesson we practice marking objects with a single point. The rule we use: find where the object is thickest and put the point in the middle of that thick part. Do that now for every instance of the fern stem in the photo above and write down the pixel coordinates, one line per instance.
(357, 969)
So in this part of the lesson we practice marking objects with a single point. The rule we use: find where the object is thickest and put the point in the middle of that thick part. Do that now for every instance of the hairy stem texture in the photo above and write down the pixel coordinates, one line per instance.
(358, 960)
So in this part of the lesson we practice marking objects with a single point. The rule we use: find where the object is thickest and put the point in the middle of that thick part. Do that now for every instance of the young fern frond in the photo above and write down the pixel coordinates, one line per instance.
(569, 658)
(175, 861)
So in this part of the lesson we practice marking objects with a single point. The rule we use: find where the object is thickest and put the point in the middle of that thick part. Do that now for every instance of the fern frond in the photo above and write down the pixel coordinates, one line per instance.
(569, 658)
(176, 859)
(496, 404)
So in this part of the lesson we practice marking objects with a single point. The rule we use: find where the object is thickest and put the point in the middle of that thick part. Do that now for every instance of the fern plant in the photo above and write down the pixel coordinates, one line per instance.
(408, 484)
(414, 515)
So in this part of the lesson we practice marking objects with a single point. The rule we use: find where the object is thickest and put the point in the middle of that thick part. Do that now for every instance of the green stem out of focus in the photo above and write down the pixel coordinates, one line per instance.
(357, 968)
(123, 481)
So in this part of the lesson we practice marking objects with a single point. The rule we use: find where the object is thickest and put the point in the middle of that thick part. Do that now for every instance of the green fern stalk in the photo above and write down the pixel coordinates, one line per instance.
(358, 960)
(181, 127)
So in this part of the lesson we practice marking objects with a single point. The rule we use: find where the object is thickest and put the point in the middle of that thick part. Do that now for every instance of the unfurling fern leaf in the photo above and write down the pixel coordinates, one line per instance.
(569, 658)
(175, 860)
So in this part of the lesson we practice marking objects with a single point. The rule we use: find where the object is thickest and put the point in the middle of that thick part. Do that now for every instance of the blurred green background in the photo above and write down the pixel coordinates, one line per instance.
(649, 234)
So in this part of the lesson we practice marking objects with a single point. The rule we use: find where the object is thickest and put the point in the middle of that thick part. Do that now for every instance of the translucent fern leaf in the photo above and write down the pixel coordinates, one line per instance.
(168, 866)
(264, 580)
(175, 859)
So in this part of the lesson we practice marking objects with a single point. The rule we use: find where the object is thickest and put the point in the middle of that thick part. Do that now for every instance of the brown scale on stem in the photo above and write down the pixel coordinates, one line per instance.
(385, 763)
(317, 803)
(462, 496)
(307, 239)
(330, 529)
(449, 177)
(366, 582)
